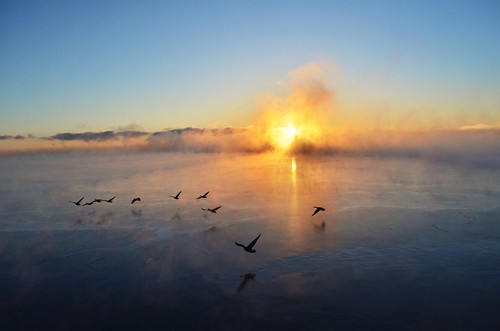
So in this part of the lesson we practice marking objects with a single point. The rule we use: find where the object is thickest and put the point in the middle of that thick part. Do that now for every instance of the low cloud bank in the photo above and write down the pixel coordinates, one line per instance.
(303, 119)
(229, 140)
(96, 136)
(480, 147)
(7, 137)
(475, 147)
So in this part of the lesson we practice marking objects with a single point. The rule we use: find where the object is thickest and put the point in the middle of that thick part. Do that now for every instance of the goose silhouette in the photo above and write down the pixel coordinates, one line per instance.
(318, 209)
(109, 200)
(176, 197)
(77, 203)
(134, 200)
(204, 196)
(213, 210)
(249, 247)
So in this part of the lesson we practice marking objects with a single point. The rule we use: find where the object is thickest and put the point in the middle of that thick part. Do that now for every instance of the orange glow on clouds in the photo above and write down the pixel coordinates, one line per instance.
(299, 118)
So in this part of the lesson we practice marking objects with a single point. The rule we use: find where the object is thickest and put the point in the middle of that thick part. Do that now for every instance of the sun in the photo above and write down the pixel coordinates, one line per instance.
(289, 133)
(285, 136)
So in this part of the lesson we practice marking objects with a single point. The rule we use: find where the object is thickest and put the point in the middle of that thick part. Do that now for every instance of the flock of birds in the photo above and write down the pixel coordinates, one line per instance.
(248, 248)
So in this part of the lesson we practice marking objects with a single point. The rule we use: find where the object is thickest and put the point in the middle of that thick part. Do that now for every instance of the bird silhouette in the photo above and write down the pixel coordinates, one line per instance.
(249, 247)
(109, 200)
(135, 199)
(97, 200)
(213, 210)
(77, 203)
(318, 209)
(204, 196)
(89, 203)
(176, 197)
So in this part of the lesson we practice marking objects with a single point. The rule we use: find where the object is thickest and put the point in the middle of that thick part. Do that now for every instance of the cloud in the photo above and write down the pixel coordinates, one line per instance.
(480, 126)
(131, 134)
(7, 137)
(305, 118)
(85, 136)
(204, 140)
(96, 136)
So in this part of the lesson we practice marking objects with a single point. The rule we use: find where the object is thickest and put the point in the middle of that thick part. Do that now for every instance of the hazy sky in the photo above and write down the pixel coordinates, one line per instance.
(74, 66)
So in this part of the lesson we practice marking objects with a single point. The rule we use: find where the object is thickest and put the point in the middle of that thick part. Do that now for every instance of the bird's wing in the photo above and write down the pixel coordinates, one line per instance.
(80, 200)
(315, 212)
(253, 242)
(178, 194)
(205, 195)
(238, 244)
(217, 208)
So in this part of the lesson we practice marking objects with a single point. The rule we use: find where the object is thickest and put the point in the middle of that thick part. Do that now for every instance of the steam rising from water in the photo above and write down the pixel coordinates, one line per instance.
(304, 118)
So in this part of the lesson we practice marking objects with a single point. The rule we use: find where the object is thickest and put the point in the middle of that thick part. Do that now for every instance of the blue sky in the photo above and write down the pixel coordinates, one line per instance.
(73, 66)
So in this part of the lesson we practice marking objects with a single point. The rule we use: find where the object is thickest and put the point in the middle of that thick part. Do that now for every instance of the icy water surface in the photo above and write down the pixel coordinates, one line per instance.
(404, 244)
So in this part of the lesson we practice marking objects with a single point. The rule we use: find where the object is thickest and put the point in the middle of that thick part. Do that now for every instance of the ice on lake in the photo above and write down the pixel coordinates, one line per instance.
(404, 243)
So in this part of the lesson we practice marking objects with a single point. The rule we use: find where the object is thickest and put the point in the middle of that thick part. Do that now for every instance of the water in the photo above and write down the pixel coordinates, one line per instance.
(404, 244)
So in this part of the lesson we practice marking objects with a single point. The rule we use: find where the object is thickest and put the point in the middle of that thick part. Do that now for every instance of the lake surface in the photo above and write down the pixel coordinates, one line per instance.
(404, 243)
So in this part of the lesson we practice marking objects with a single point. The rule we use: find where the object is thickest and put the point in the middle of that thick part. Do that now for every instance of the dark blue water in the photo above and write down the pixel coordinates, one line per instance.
(404, 244)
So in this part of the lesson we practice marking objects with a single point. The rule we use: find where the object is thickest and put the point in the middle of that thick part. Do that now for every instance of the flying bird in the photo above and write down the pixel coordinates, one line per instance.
(213, 210)
(176, 197)
(77, 203)
(97, 200)
(204, 196)
(318, 209)
(135, 199)
(249, 248)
(109, 200)
(89, 203)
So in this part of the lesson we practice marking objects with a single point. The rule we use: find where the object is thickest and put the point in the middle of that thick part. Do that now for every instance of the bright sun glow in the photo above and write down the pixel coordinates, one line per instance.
(285, 136)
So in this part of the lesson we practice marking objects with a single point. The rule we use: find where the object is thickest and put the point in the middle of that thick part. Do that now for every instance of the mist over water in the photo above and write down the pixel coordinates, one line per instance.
(304, 117)
(404, 243)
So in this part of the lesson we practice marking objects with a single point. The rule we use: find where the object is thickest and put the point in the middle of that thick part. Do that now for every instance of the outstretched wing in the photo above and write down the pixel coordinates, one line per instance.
(177, 196)
(238, 244)
(318, 209)
(80, 200)
(250, 246)
(203, 196)
(215, 209)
